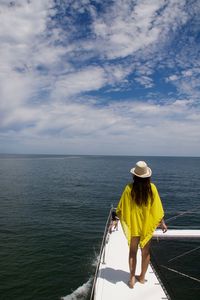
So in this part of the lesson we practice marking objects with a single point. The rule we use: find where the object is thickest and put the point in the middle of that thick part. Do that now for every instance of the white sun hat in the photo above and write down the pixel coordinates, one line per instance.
(141, 170)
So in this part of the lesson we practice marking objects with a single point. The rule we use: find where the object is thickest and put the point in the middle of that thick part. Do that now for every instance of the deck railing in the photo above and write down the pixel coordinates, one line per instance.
(102, 252)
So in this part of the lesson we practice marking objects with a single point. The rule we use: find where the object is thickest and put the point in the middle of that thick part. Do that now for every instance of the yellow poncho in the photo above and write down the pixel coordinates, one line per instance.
(139, 220)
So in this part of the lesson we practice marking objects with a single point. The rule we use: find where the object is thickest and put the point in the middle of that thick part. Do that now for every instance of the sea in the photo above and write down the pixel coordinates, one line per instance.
(53, 211)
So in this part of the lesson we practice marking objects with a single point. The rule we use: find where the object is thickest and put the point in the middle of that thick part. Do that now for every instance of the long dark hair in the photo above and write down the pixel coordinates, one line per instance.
(141, 190)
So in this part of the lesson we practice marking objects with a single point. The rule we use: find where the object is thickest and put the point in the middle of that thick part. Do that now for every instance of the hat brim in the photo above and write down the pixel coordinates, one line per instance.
(146, 175)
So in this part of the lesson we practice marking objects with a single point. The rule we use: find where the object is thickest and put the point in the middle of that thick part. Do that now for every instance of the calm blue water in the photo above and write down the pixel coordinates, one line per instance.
(53, 211)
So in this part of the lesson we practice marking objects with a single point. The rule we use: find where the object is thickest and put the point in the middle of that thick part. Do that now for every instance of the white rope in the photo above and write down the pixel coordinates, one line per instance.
(185, 275)
(190, 251)
(181, 214)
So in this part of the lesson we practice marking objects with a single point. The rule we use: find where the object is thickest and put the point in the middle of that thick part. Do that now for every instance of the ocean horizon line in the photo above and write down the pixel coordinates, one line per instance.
(15, 155)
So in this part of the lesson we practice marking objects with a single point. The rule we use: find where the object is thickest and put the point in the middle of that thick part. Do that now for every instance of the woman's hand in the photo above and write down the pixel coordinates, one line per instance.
(163, 226)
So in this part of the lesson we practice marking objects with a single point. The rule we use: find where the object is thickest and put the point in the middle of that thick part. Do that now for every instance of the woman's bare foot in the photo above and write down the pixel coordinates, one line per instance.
(141, 279)
(131, 282)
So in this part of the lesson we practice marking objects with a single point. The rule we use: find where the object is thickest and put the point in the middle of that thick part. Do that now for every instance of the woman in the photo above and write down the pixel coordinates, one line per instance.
(140, 211)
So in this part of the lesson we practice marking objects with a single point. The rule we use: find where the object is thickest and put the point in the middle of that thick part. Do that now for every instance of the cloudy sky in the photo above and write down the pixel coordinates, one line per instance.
(100, 77)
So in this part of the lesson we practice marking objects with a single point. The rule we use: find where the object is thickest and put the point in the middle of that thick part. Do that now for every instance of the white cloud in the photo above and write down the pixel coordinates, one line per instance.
(131, 26)
(172, 78)
(145, 81)
(128, 126)
(23, 21)
(121, 33)
(187, 82)
(88, 79)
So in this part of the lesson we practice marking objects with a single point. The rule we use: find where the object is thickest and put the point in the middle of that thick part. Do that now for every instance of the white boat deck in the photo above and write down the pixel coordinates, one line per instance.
(113, 276)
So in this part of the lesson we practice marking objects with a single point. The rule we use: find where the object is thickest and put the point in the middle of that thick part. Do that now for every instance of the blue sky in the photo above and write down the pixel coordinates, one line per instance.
(100, 77)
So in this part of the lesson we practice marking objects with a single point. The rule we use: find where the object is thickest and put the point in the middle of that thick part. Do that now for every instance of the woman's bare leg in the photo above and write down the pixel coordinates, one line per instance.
(145, 262)
(133, 259)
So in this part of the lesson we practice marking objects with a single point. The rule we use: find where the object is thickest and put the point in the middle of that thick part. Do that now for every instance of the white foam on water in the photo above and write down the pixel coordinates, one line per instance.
(95, 260)
(80, 293)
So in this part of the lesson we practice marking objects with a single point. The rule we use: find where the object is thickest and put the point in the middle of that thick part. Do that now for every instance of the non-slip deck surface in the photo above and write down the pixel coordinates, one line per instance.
(114, 274)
